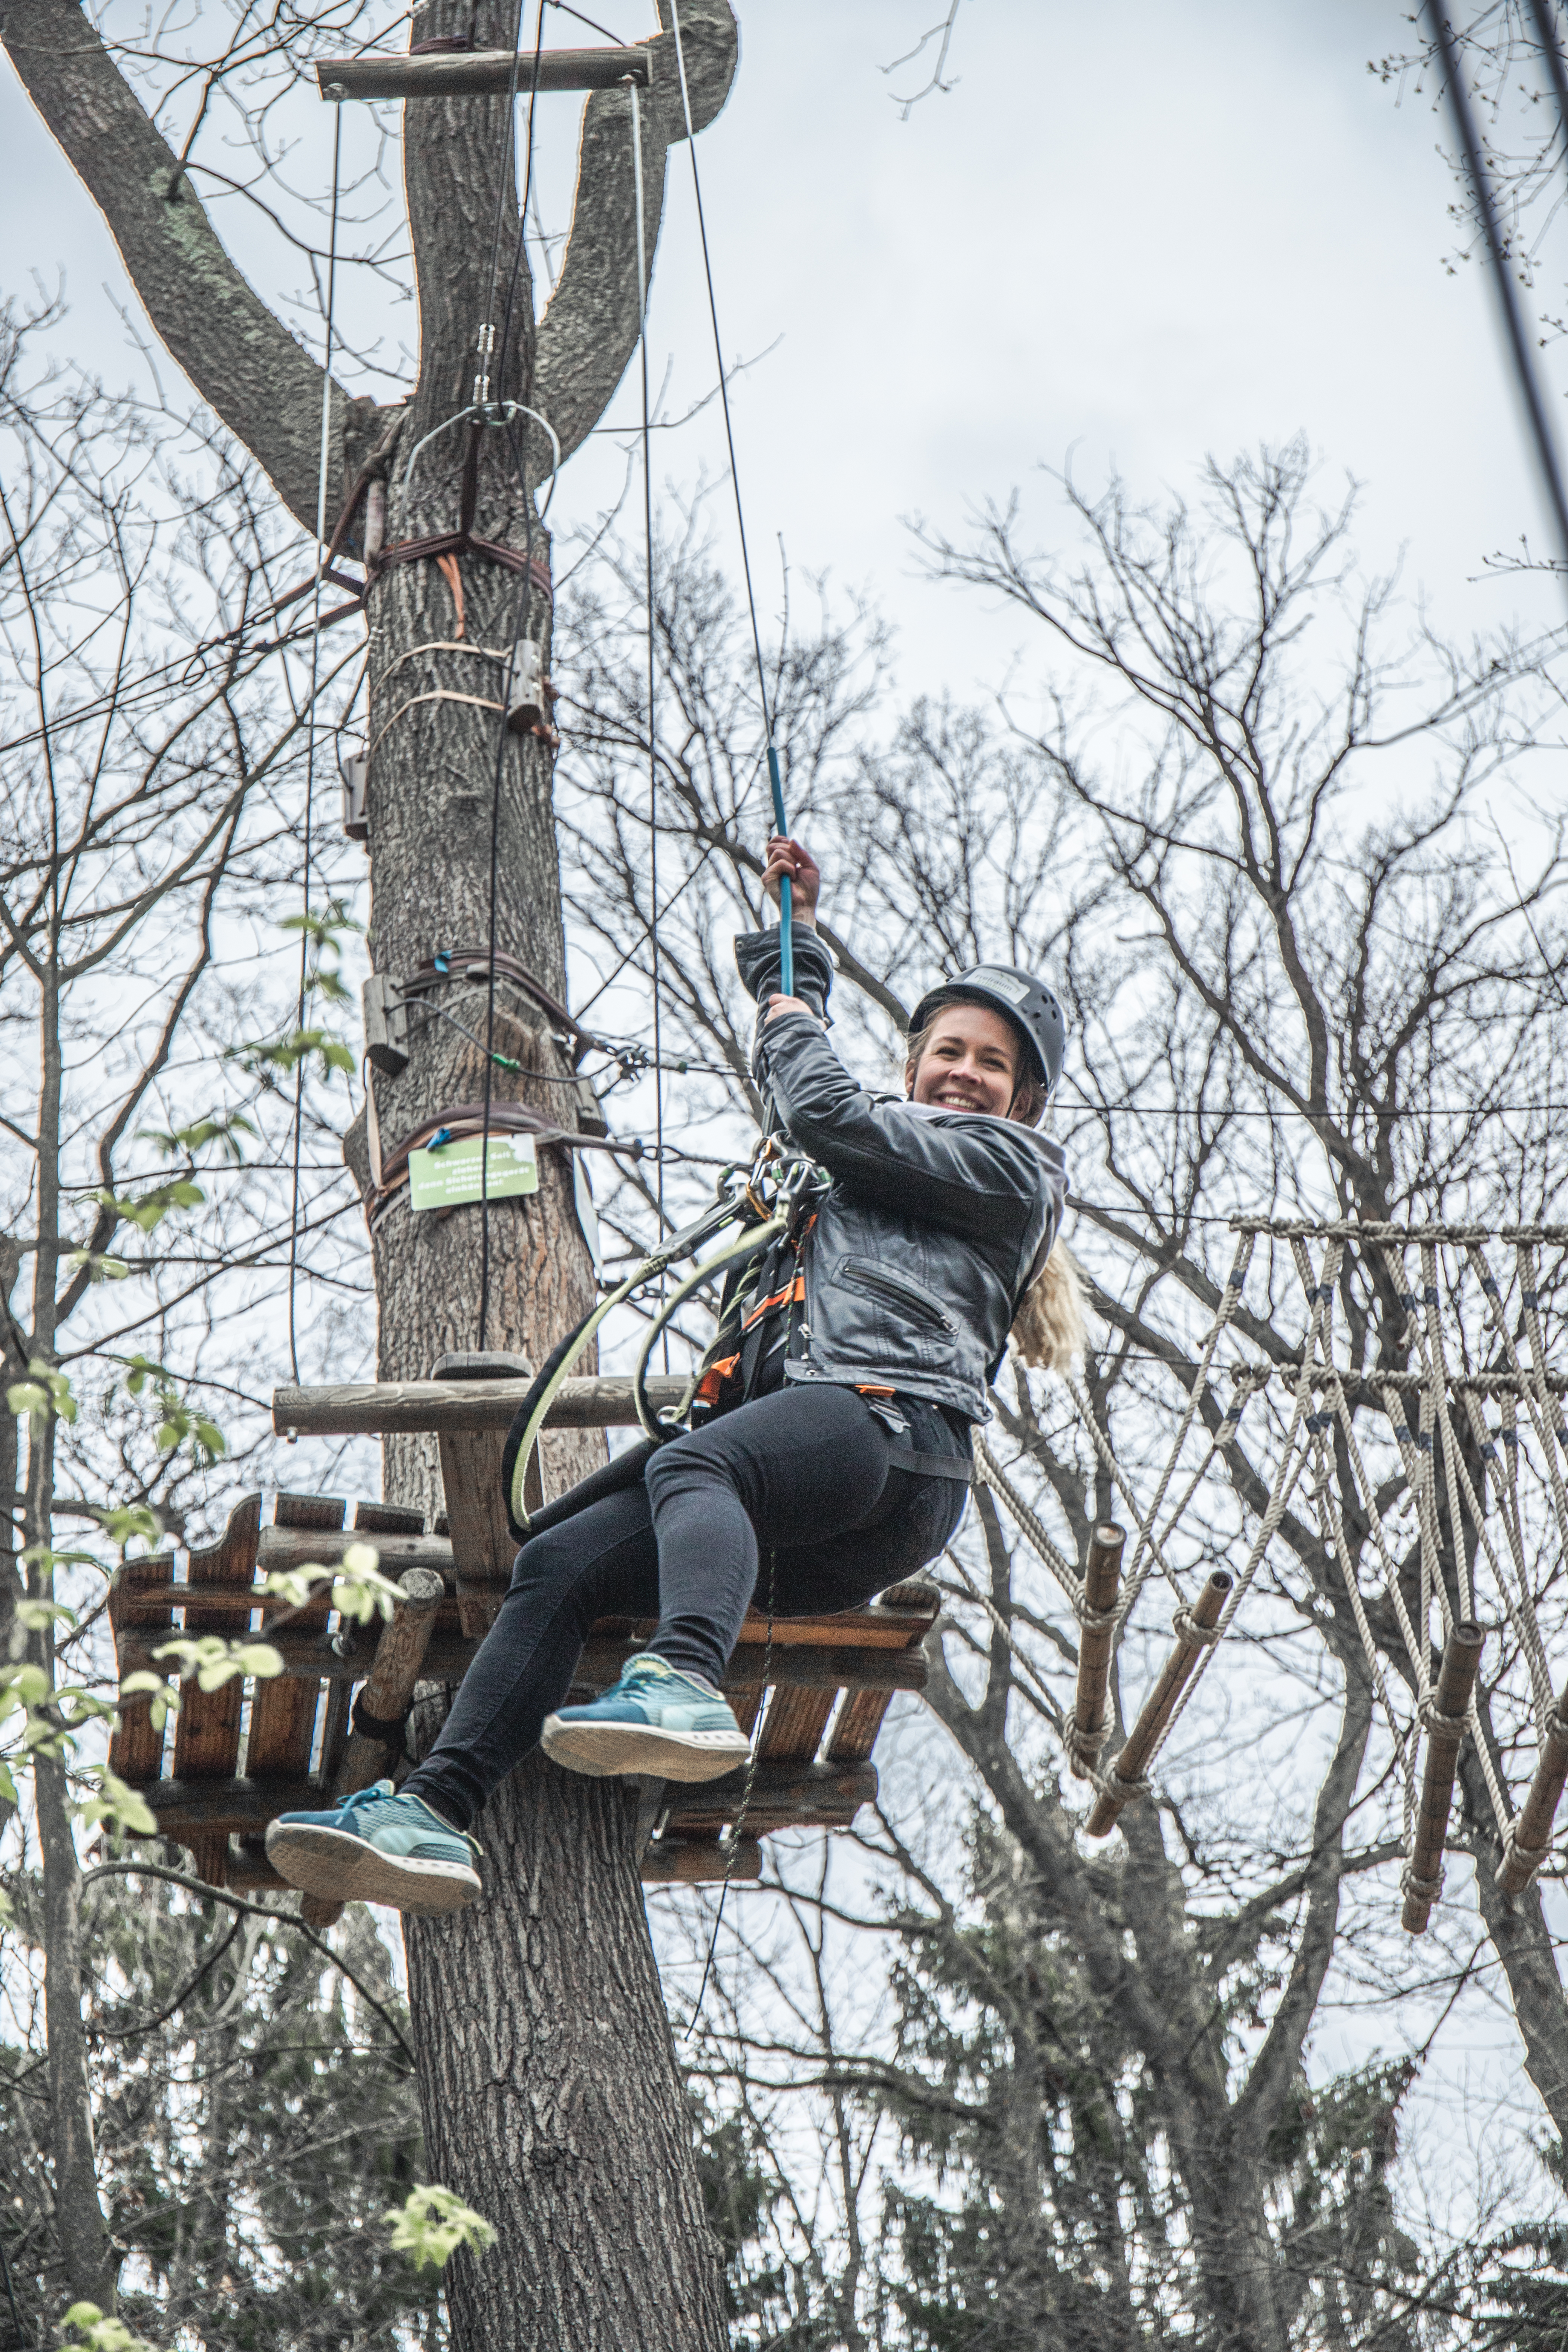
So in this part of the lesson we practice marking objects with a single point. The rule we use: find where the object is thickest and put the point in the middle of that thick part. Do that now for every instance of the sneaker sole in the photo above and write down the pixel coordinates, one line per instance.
(344, 1869)
(605, 1749)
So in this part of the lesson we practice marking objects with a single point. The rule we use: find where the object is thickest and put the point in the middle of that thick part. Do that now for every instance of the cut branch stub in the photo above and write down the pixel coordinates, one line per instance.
(1445, 1720)
(1127, 1772)
(1529, 1838)
(1090, 1720)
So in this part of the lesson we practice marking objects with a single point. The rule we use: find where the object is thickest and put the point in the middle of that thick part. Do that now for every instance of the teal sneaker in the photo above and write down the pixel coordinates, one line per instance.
(377, 1847)
(654, 1720)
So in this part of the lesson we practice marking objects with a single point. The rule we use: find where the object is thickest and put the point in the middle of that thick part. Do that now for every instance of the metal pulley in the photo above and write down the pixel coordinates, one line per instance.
(530, 694)
(356, 795)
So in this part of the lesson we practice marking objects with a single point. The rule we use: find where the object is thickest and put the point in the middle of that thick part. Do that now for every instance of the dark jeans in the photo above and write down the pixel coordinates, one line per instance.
(803, 1473)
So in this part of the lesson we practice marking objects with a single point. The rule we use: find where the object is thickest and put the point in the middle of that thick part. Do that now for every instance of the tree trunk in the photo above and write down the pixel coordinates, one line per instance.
(550, 2098)
(549, 2088)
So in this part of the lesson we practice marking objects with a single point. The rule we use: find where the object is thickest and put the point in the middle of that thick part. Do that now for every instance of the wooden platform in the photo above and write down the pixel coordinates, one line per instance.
(233, 1758)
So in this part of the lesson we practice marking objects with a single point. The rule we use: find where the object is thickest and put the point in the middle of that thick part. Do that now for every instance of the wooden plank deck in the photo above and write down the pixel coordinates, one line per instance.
(829, 1680)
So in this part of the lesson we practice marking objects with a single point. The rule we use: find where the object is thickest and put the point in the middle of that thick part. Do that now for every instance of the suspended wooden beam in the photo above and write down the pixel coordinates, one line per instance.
(676, 1861)
(1090, 1719)
(475, 73)
(1528, 1841)
(1127, 1771)
(374, 1408)
(783, 1795)
(1445, 1737)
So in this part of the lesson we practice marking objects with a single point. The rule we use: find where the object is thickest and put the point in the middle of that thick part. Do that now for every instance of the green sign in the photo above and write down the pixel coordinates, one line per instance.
(446, 1178)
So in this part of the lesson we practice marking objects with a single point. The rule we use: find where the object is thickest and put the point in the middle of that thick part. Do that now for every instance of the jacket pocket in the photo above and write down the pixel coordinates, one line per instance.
(865, 1275)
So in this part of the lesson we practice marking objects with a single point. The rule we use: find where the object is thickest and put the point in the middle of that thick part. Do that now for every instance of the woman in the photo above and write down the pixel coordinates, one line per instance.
(841, 1468)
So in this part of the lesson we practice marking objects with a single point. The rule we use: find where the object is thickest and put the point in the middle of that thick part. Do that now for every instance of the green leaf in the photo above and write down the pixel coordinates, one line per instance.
(120, 1521)
(223, 1128)
(214, 1662)
(36, 1614)
(148, 1213)
(432, 2225)
(43, 1396)
(101, 2335)
(120, 1806)
(163, 1697)
(8, 1791)
(101, 1268)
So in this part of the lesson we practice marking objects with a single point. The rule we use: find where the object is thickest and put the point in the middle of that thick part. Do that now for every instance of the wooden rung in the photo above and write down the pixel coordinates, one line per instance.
(1529, 1839)
(1126, 1769)
(1444, 1738)
(480, 73)
(1090, 1714)
(781, 1791)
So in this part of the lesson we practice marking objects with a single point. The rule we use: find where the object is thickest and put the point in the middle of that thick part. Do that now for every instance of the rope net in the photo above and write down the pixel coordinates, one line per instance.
(1416, 1434)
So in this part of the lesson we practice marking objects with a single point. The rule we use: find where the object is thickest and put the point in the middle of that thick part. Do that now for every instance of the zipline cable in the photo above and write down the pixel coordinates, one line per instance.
(519, 626)
(1480, 184)
(787, 938)
(310, 742)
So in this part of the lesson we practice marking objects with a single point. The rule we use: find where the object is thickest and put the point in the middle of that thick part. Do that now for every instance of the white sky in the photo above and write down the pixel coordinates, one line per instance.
(1132, 235)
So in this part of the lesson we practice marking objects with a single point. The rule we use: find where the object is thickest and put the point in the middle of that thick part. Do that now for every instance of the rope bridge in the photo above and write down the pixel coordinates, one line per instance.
(1420, 1408)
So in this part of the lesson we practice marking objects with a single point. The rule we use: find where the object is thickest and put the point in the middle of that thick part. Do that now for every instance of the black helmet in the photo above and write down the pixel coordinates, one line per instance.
(1025, 1001)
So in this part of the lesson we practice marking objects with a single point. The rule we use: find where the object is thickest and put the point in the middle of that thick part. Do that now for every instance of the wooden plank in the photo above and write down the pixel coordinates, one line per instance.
(859, 1721)
(473, 73)
(378, 1520)
(345, 1657)
(136, 1751)
(483, 1548)
(206, 1743)
(874, 1628)
(820, 1796)
(202, 1812)
(796, 1722)
(372, 1407)
(205, 1811)
(283, 1711)
(680, 1862)
(673, 1862)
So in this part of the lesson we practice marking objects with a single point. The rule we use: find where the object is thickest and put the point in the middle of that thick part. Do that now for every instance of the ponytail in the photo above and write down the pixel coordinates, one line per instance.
(1049, 1330)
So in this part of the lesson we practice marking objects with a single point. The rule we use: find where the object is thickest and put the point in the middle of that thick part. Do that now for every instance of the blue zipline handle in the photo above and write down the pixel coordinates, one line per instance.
(786, 920)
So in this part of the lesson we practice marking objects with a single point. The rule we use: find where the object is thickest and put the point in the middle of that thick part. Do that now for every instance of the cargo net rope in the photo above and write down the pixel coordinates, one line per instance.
(1425, 1411)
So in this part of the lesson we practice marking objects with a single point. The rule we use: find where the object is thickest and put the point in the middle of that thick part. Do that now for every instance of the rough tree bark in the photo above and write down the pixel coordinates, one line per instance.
(551, 2101)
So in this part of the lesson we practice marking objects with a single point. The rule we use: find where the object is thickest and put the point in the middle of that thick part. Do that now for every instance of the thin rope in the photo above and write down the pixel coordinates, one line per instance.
(311, 746)
(787, 943)
(519, 628)
(657, 972)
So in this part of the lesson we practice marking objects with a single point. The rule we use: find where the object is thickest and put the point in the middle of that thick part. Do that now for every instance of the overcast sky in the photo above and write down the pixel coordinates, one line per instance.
(1129, 235)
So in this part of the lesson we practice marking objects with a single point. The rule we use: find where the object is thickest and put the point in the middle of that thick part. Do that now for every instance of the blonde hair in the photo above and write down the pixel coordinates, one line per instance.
(1049, 1330)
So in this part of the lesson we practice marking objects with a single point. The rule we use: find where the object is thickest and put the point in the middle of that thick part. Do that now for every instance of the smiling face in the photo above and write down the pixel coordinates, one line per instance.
(969, 1061)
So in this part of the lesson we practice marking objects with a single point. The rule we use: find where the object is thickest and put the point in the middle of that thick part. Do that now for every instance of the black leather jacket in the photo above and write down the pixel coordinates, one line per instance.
(936, 1222)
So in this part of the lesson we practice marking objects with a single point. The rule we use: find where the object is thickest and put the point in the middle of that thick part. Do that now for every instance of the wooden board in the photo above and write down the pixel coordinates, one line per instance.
(207, 1744)
(372, 1407)
(283, 1712)
(796, 1722)
(136, 1751)
(468, 73)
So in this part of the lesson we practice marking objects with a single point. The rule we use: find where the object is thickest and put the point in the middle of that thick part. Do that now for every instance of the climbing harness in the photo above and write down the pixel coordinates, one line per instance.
(766, 1202)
